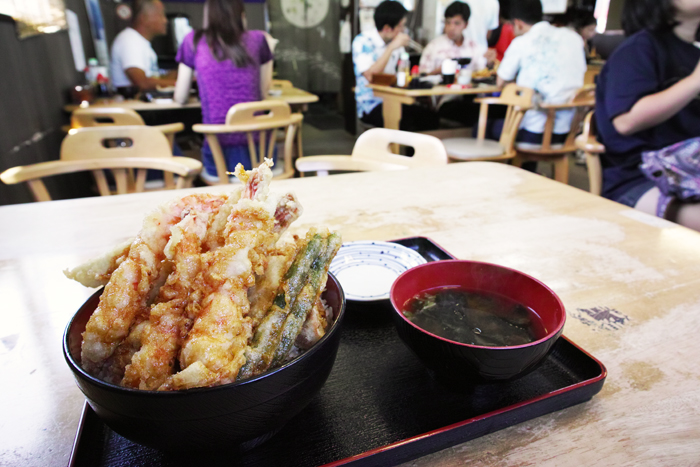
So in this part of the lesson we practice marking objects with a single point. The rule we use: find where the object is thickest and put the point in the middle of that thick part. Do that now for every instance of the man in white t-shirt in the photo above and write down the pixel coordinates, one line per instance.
(483, 20)
(134, 62)
(549, 60)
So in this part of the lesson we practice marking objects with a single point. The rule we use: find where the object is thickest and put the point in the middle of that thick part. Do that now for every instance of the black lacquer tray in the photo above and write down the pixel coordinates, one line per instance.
(379, 406)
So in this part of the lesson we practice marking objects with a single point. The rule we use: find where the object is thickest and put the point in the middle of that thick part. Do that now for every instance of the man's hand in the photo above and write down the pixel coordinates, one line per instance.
(490, 56)
(401, 40)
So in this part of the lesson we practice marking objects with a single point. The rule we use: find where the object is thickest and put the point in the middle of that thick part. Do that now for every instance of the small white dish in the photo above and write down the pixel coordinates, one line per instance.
(367, 269)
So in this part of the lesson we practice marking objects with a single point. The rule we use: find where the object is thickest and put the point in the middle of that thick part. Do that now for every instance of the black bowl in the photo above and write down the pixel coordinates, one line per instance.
(129, 92)
(453, 361)
(235, 416)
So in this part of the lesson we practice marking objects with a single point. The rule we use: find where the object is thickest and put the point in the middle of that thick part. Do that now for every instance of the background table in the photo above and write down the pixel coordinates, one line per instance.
(292, 96)
(630, 283)
(393, 98)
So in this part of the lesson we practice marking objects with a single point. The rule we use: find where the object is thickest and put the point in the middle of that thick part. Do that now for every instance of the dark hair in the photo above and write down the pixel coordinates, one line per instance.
(224, 31)
(528, 11)
(458, 9)
(582, 18)
(389, 13)
(504, 11)
(654, 15)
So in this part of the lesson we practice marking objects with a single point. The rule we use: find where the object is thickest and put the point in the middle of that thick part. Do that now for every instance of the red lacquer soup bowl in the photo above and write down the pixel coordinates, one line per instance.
(453, 360)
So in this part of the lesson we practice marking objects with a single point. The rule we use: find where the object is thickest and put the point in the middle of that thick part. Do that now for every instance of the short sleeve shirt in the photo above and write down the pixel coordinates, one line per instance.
(551, 61)
(367, 47)
(222, 84)
(131, 50)
(483, 18)
(644, 64)
(442, 48)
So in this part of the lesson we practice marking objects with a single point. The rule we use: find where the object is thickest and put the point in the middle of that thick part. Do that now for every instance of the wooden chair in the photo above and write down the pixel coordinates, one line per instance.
(117, 116)
(581, 103)
(590, 146)
(519, 100)
(115, 148)
(248, 118)
(372, 152)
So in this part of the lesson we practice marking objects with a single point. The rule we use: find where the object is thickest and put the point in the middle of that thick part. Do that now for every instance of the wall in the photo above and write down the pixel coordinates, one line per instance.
(36, 74)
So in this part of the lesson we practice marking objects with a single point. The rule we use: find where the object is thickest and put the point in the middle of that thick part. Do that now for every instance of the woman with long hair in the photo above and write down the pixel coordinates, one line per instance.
(647, 98)
(233, 65)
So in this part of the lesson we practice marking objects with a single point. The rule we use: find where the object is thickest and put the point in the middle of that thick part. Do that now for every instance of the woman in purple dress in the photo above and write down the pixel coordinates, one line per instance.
(233, 65)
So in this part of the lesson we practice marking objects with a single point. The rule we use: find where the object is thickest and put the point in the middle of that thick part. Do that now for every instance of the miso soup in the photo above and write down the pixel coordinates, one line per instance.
(477, 318)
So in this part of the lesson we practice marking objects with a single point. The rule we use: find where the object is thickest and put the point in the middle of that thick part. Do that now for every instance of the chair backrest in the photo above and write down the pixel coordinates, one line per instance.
(374, 144)
(592, 149)
(114, 141)
(518, 99)
(582, 102)
(263, 118)
(101, 116)
(33, 174)
(110, 142)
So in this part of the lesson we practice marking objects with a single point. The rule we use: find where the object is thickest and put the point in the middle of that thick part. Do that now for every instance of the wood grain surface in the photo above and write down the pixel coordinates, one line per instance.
(630, 283)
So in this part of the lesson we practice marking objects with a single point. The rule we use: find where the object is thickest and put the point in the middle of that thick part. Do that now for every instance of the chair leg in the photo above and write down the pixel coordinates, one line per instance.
(518, 160)
(561, 169)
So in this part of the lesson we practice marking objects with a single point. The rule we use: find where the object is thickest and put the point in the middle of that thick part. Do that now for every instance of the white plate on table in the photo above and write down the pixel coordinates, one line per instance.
(367, 269)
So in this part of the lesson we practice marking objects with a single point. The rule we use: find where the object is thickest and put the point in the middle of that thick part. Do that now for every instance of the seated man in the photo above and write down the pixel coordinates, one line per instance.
(451, 45)
(378, 51)
(134, 62)
(549, 60)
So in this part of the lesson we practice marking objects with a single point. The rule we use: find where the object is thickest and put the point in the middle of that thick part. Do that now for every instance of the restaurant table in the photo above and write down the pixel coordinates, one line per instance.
(393, 98)
(292, 96)
(630, 283)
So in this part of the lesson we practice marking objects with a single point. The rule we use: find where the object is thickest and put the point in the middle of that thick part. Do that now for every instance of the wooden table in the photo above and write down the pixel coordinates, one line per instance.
(393, 98)
(591, 251)
(292, 96)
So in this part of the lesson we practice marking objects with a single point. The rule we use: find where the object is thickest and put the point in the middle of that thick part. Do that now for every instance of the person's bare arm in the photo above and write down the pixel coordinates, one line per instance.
(183, 84)
(500, 82)
(138, 78)
(654, 109)
(399, 41)
(265, 78)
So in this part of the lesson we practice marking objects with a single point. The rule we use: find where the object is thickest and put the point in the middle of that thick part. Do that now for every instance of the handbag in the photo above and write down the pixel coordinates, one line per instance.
(675, 170)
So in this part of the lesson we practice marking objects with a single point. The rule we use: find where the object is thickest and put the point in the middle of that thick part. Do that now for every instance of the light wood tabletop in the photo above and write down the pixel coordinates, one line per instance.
(394, 97)
(594, 253)
(292, 96)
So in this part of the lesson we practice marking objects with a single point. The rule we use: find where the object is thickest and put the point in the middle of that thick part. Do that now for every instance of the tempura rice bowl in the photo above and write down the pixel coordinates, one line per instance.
(236, 416)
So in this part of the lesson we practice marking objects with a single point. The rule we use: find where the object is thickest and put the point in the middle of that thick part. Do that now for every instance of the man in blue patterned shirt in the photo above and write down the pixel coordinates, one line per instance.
(378, 51)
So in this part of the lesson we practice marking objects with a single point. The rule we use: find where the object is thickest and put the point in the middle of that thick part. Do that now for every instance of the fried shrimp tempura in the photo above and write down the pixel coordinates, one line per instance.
(126, 294)
(153, 363)
(213, 351)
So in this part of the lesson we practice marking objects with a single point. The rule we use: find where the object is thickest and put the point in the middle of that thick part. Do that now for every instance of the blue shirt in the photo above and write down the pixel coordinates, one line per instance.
(367, 47)
(646, 63)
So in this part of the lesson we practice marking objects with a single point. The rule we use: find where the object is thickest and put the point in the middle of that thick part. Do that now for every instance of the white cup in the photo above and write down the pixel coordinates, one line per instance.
(449, 67)
(465, 76)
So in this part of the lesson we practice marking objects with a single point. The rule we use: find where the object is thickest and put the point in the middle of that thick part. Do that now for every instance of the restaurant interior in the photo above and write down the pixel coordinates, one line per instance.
(349, 232)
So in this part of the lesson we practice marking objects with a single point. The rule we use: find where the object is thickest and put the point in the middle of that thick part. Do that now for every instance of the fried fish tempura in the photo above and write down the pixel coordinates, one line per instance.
(153, 363)
(126, 294)
(266, 285)
(213, 351)
(97, 271)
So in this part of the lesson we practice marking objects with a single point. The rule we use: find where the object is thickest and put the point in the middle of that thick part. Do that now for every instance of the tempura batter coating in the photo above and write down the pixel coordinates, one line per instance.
(126, 294)
(153, 363)
(222, 327)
